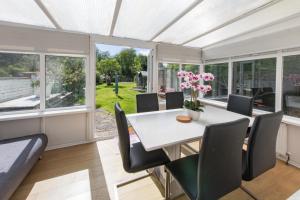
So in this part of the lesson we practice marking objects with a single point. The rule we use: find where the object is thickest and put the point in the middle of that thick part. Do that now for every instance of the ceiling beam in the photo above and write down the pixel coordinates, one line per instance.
(233, 20)
(188, 9)
(115, 17)
(47, 13)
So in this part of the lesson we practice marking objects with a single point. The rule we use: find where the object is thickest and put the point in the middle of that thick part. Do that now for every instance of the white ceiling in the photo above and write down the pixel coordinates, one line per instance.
(193, 23)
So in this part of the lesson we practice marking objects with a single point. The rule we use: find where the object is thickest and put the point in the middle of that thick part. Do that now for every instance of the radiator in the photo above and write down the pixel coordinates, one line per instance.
(282, 143)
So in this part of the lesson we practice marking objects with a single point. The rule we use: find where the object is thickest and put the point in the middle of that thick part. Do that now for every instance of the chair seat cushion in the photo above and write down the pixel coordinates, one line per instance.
(17, 157)
(140, 159)
(185, 171)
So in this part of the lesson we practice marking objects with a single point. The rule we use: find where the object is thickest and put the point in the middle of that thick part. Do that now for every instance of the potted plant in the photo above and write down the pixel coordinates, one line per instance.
(192, 81)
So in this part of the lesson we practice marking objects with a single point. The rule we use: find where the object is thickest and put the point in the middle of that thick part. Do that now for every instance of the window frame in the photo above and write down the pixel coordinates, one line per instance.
(286, 54)
(43, 111)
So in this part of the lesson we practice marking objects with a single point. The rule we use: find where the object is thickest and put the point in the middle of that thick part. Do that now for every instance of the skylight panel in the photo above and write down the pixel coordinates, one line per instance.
(261, 19)
(143, 19)
(88, 16)
(23, 12)
(208, 15)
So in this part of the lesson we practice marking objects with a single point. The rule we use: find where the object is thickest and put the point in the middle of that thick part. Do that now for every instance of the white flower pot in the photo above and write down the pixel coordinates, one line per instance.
(193, 114)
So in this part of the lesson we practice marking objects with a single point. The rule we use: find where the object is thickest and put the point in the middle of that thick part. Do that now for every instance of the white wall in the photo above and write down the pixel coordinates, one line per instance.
(35, 40)
(17, 128)
(178, 54)
(66, 130)
(293, 147)
(62, 130)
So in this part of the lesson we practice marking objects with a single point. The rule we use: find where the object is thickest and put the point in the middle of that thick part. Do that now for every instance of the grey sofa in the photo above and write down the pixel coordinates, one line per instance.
(17, 157)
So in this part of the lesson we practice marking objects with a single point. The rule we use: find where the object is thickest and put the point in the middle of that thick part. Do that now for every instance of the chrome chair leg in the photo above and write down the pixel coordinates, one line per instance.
(167, 187)
(121, 184)
(249, 193)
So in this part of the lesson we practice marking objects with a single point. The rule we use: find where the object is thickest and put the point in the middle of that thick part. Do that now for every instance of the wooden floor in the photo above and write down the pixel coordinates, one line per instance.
(91, 171)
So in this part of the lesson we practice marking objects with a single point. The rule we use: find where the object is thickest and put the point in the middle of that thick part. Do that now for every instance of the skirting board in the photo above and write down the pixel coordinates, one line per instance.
(290, 162)
(66, 145)
(71, 144)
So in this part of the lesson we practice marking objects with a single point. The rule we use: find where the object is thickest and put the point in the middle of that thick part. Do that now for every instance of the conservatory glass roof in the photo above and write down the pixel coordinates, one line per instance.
(194, 23)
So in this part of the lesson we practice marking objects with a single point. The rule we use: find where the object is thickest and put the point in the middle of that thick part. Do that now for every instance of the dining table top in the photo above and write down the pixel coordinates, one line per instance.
(159, 129)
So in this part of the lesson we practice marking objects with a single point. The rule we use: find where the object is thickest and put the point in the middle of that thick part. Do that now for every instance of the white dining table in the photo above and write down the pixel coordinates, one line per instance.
(161, 130)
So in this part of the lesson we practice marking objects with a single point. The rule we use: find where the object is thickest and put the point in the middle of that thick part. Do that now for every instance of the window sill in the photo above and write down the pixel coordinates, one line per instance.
(291, 120)
(286, 119)
(48, 113)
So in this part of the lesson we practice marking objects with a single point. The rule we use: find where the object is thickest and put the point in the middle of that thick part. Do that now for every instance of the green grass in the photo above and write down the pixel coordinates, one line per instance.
(106, 97)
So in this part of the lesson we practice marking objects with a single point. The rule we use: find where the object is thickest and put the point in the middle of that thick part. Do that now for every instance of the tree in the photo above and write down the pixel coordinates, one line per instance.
(143, 60)
(73, 79)
(126, 59)
(137, 65)
(108, 67)
(100, 55)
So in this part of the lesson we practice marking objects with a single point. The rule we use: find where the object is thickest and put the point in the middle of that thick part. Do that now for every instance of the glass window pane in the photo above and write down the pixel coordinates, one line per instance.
(206, 16)
(291, 85)
(92, 16)
(65, 81)
(167, 78)
(142, 19)
(190, 68)
(220, 84)
(256, 78)
(19, 82)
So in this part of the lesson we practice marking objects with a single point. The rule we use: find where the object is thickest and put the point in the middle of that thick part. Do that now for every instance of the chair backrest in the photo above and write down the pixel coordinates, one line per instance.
(220, 159)
(174, 100)
(124, 141)
(261, 150)
(240, 104)
(147, 102)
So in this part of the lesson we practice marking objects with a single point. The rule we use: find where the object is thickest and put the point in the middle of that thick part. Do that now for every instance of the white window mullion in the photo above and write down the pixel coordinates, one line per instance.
(279, 76)
(43, 90)
(42, 82)
(180, 79)
(201, 71)
(88, 83)
(230, 76)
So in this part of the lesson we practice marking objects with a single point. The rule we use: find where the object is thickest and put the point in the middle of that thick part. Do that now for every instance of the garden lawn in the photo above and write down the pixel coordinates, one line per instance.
(106, 97)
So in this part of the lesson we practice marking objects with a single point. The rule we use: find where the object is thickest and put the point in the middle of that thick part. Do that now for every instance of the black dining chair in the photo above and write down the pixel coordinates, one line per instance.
(260, 155)
(217, 169)
(174, 100)
(134, 157)
(240, 104)
(147, 102)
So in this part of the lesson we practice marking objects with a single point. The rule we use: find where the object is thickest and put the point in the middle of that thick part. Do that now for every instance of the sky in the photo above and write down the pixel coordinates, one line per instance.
(113, 50)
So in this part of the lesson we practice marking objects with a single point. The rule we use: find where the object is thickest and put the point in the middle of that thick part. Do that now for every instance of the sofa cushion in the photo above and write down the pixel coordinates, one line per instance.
(17, 157)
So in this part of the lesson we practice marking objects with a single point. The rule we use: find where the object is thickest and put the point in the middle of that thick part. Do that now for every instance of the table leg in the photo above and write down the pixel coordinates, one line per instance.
(174, 153)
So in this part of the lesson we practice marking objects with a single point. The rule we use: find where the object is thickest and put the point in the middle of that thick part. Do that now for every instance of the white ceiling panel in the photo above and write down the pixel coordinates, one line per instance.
(206, 16)
(23, 12)
(87, 16)
(281, 10)
(142, 19)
